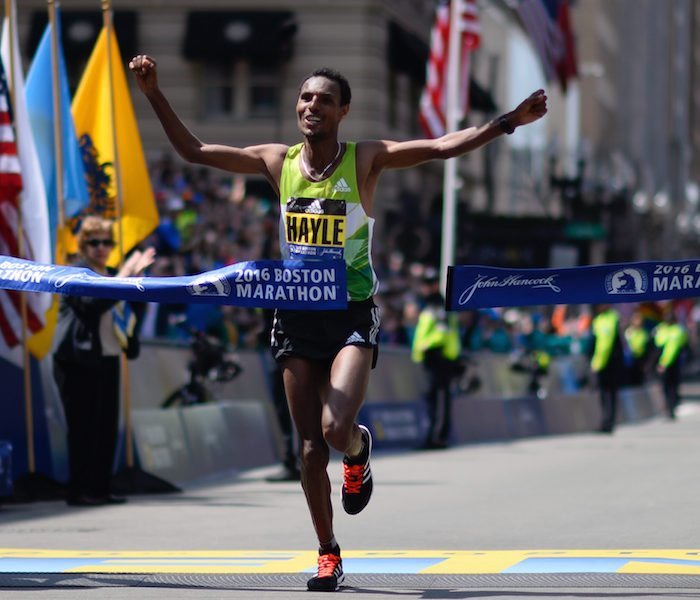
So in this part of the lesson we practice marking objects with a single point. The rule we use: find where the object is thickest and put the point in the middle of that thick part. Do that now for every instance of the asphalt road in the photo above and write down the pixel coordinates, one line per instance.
(533, 502)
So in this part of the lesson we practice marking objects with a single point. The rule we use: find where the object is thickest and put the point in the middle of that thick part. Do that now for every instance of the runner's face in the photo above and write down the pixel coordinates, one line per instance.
(318, 108)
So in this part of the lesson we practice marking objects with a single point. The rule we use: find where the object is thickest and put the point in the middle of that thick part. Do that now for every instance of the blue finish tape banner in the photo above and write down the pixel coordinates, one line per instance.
(470, 287)
(291, 284)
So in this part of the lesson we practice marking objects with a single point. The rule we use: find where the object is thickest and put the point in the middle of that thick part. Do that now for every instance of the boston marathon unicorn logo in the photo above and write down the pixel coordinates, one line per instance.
(626, 281)
(209, 285)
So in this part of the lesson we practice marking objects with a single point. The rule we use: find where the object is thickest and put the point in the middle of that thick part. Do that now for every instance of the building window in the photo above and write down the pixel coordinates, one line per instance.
(415, 92)
(217, 91)
(250, 49)
(392, 99)
(403, 102)
(264, 91)
(79, 32)
(239, 90)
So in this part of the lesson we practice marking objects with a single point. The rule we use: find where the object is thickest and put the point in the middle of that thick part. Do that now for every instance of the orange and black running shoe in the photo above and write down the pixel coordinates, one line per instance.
(330, 572)
(357, 477)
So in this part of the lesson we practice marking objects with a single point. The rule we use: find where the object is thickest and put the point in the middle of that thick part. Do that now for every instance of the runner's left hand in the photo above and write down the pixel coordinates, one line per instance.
(531, 109)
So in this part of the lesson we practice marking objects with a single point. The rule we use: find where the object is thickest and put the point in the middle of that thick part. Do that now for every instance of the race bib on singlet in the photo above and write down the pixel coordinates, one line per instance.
(316, 228)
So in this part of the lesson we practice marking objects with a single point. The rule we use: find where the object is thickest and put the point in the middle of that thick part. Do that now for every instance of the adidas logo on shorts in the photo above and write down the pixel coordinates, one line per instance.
(355, 338)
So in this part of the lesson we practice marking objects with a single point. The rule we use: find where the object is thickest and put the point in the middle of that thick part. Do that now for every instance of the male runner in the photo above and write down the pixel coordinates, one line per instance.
(326, 190)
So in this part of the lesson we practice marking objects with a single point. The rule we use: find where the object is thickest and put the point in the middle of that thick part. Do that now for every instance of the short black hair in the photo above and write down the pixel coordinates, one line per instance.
(333, 75)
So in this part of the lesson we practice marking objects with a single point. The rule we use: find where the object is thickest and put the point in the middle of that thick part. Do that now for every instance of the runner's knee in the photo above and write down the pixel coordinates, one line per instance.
(314, 454)
(337, 434)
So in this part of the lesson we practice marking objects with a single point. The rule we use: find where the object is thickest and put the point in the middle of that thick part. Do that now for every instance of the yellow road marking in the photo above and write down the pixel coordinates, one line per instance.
(432, 562)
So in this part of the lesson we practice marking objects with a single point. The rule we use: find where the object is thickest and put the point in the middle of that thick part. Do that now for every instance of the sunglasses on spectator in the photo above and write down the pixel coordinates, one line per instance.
(96, 243)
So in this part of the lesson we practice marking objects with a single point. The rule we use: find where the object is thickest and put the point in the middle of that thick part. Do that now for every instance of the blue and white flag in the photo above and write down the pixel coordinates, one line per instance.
(40, 104)
(289, 284)
(470, 287)
(32, 200)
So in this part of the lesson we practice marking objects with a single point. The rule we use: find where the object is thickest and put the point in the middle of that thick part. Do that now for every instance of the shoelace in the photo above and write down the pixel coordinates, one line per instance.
(327, 564)
(352, 477)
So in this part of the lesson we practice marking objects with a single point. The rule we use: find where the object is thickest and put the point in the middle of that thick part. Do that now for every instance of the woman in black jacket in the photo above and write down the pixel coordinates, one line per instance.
(86, 367)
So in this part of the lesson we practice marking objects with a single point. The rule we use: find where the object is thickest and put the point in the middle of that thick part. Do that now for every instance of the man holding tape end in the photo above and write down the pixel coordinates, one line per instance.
(326, 189)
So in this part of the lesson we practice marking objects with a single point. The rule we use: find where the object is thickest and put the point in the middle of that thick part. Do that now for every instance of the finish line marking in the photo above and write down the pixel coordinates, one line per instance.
(414, 562)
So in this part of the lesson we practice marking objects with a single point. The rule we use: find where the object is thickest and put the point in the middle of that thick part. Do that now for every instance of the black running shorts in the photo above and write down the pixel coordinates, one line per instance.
(320, 335)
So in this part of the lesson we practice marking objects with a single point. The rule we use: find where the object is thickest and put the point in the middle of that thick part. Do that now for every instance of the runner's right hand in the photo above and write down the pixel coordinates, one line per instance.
(144, 68)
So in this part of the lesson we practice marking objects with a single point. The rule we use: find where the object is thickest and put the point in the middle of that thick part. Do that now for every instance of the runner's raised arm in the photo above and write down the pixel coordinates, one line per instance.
(401, 155)
(265, 159)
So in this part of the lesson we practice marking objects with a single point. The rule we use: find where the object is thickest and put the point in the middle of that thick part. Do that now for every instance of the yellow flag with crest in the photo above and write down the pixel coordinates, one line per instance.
(104, 119)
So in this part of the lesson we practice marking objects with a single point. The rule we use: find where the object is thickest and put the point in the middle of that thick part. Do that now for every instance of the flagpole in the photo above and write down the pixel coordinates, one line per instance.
(108, 26)
(452, 116)
(57, 127)
(126, 392)
(131, 479)
(28, 416)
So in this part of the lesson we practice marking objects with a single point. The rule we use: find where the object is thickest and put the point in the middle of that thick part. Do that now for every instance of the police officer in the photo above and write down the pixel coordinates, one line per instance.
(638, 341)
(671, 338)
(607, 362)
(436, 344)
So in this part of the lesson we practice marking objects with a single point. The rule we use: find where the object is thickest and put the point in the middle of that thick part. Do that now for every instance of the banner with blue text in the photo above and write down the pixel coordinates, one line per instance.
(290, 284)
(473, 286)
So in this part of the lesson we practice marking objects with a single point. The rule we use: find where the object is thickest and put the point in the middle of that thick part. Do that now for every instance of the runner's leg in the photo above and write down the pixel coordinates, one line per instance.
(344, 397)
(324, 412)
(348, 385)
(303, 382)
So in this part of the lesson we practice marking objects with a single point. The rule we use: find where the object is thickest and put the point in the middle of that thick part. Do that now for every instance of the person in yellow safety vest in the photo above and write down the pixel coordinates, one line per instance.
(607, 362)
(436, 344)
(541, 359)
(637, 337)
(671, 338)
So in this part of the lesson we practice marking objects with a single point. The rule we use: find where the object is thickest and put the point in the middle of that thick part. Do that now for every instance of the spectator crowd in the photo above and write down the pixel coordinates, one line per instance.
(208, 221)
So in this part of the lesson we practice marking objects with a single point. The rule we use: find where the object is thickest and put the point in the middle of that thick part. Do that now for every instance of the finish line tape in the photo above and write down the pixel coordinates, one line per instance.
(290, 284)
(470, 287)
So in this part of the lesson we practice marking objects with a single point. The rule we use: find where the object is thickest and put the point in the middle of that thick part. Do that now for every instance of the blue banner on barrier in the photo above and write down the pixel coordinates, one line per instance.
(290, 284)
(470, 287)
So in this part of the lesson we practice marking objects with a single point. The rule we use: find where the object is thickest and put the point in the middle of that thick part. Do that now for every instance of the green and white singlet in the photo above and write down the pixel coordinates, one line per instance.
(325, 220)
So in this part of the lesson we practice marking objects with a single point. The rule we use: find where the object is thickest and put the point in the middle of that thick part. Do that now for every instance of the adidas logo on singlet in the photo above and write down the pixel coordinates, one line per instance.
(342, 186)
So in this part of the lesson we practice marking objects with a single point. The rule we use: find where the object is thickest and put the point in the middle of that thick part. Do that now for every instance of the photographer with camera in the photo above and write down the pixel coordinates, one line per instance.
(209, 363)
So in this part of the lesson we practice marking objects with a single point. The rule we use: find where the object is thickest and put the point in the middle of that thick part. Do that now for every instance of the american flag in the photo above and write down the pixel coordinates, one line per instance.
(434, 98)
(10, 187)
(567, 67)
(545, 33)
